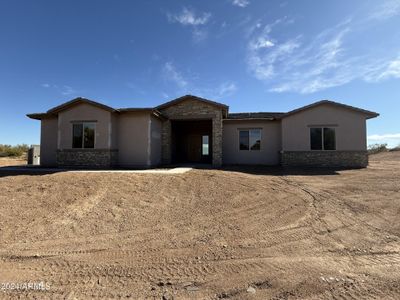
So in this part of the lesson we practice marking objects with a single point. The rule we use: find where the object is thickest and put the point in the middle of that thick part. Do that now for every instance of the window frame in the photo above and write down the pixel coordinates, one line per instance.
(323, 137)
(83, 134)
(203, 143)
(249, 138)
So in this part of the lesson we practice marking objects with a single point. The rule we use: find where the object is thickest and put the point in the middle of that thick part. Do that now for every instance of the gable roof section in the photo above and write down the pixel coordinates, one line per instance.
(76, 101)
(55, 110)
(190, 97)
(369, 114)
(232, 116)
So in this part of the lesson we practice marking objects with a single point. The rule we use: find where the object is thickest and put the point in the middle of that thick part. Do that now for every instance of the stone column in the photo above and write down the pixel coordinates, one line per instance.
(166, 142)
(217, 140)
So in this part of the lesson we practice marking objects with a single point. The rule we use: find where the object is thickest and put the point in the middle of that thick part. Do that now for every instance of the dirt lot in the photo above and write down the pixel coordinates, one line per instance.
(12, 161)
(205, 234)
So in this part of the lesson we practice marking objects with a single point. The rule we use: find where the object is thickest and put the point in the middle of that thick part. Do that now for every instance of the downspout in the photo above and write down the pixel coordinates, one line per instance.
(149, 142)
(109, 133)
(59, 132)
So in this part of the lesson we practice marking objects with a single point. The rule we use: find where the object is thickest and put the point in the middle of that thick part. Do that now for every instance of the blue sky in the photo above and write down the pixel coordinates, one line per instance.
(252, 55)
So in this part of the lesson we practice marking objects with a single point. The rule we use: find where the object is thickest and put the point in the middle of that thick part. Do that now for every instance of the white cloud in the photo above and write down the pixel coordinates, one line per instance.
(241, 3)
(189, 17)
(226, 89)
(263, 63)
(303, 65)
(381, 137)
(261, 42)
(172, 74)
(190, 84)
(391, 139)
(67, 90)
(199, 35)
(392, 70)
(223, 90)
(386, 10)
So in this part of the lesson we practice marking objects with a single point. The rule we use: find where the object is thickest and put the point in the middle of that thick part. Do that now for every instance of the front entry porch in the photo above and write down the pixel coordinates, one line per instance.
(191, 141)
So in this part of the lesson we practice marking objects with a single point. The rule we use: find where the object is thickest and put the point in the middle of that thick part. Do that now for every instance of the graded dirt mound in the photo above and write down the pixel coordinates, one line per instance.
(206, 234)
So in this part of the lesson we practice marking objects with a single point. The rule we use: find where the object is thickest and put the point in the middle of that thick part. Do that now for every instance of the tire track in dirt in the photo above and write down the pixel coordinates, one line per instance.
(359, 289)
(221, 231)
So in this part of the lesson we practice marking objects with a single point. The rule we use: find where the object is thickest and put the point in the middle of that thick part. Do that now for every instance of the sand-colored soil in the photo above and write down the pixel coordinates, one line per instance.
(205, 234)
(12, 161)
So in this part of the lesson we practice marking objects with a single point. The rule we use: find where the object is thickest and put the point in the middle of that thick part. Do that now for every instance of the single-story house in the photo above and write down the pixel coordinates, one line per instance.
(191, 129)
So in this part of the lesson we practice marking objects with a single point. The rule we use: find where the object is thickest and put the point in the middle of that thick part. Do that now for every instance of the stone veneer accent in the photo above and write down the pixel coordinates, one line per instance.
(96, 158)
(192, 109)
(343, 159)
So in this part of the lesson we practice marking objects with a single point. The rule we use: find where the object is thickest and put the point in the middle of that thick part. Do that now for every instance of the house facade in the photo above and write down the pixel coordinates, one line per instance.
(190, 129)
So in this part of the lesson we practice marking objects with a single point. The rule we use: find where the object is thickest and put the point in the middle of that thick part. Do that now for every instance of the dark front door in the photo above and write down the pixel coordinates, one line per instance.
(194, 148)
(191, 141)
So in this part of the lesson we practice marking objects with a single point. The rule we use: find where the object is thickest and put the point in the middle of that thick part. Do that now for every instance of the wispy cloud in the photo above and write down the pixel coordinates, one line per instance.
(64, 90)
(391, 139)
(199, 35)
(382, 137)
(221, 91)
(191, 84)
(226, 89)
(307, 65)
(116, 57)
(386, 10)
(188, 17)
(241, 3)
(172, 74)
(389, 69)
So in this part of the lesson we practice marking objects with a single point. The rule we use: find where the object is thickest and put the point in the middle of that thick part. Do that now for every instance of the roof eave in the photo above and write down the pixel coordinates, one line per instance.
(177, 100)
(135, 109)
(372, 115)
(79, 100)
(369, 114)
(40, 116)
(152, 111)
(251, 119)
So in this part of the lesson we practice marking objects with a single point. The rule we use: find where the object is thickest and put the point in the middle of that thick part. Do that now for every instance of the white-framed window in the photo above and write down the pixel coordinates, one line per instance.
(83, 135)
(205, 145)
(250, 139)
(322, 138)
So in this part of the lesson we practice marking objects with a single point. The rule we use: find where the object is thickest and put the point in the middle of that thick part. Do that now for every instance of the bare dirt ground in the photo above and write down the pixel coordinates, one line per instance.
(12, 161)
(205, 234)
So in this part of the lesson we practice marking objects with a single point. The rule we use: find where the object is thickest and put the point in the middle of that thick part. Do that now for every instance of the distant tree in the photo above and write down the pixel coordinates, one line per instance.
(377, 148)
(8, 150)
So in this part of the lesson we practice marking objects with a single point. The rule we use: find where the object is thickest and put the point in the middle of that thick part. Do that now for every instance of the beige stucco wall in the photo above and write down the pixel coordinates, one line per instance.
(156, 128)
(133, 142)
(350, 128)
(48, 142)
(84, 112)
(270, 143)
(114, 130)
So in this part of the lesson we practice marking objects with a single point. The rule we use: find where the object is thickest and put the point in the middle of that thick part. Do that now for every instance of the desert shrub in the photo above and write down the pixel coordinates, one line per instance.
(397, 148)
(8, 150)
(377, 148)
